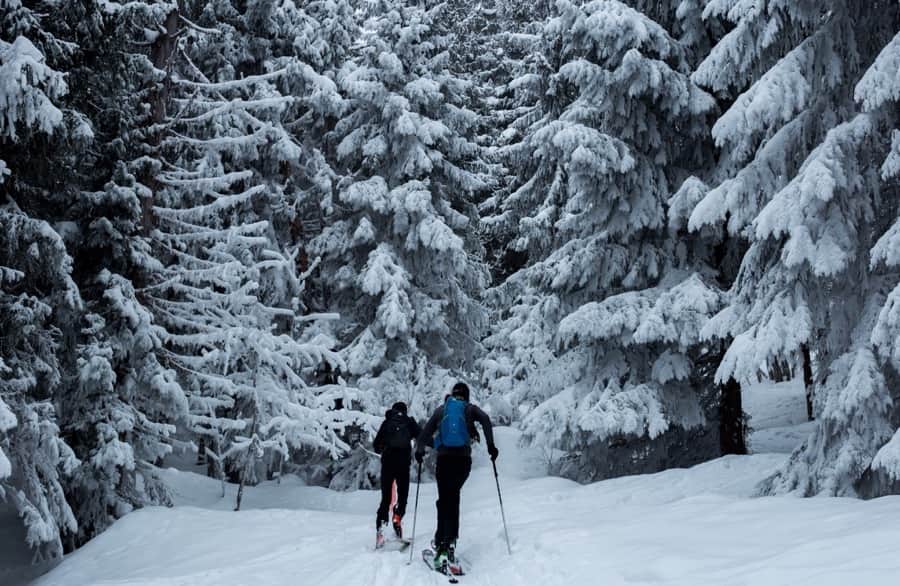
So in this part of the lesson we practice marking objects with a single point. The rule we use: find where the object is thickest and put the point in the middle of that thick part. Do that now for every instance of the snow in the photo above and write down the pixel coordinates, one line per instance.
(351, 159)
(885, 333)
(888, 457)
(7, 418)
(891, 167)
(686, 527)
(23, 74)
(881, 82)
(778, 417)
(774, 99)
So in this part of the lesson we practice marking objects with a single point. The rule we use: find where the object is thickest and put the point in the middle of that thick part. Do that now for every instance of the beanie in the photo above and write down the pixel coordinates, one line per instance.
(461, 390)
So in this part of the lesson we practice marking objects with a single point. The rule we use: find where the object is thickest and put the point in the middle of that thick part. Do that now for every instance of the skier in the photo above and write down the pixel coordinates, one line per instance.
(454, 422)
(393, 443)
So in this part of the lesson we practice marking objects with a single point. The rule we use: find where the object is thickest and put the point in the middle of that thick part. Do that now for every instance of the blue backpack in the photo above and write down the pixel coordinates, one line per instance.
(454, 430)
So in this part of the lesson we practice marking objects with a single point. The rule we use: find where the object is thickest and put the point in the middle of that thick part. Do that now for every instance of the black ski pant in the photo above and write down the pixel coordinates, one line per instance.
(452, 471)
(394, 468)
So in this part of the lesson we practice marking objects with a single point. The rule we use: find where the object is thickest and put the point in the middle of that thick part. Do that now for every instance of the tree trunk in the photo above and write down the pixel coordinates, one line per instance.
(240, 494)
(808, 383)
(161, 55)
(780, 371)
(249, 460)
(732, 432)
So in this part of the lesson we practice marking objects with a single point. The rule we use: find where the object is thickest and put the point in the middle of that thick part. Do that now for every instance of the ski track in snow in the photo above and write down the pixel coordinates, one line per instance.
(691, 527)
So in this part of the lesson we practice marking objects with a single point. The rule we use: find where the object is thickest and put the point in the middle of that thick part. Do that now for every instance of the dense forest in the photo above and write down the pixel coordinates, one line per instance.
(236, 231)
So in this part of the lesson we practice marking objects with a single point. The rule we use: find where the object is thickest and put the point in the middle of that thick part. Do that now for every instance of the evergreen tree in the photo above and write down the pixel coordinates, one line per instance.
(803, 178)
(511, 64)
(227, 300)
(617, 126)
(38, 298)
(119, 405)
(394, 250)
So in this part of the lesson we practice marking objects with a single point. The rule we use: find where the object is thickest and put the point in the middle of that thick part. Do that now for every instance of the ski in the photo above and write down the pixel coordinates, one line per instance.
(393, 545)
(451, 573)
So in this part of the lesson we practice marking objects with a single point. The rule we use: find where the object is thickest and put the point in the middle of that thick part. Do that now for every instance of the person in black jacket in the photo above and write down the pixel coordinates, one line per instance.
(393, 443)
(454, 462)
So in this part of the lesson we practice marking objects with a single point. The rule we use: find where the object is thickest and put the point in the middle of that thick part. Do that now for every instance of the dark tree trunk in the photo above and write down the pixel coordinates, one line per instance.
(240, 494)
(780, 371)
(162, 52)
(732, 431)
(808, 383)
(214, 468)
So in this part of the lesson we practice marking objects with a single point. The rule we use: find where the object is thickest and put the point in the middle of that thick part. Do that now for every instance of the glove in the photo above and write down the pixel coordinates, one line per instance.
(494, 452)
(420, 456)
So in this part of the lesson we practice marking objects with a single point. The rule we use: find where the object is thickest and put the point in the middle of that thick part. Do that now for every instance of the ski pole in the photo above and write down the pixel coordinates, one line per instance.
(502, 514)
(412, 538)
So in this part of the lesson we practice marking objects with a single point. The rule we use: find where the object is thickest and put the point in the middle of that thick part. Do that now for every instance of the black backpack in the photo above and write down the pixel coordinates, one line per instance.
(397, 434)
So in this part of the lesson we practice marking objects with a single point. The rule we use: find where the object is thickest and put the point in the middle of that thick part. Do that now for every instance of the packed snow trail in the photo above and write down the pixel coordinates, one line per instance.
(691, 527)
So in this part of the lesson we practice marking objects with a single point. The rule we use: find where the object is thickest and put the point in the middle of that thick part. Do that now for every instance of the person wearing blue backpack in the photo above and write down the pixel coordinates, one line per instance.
(454, 424)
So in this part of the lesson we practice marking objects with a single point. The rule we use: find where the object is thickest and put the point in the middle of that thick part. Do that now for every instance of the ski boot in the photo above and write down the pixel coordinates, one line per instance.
(453, 564)
(379, 537)
(398, 528)
(442, 561)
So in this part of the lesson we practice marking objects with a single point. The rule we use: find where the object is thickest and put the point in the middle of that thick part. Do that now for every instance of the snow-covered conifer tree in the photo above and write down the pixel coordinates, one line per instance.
(38, 298)
(803, 178)
(320, 33)
(118, 406)
(601, 333)
(398, 245)
(227, 300)
(310, 40)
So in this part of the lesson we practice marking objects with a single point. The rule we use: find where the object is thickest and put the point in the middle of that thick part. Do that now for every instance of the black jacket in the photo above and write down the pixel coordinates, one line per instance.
(473, 414)
(380, 443)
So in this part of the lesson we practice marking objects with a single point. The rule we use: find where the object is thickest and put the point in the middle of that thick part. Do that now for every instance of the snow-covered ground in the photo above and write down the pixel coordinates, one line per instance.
(681, 527)
(692, 527)
(777, 416)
